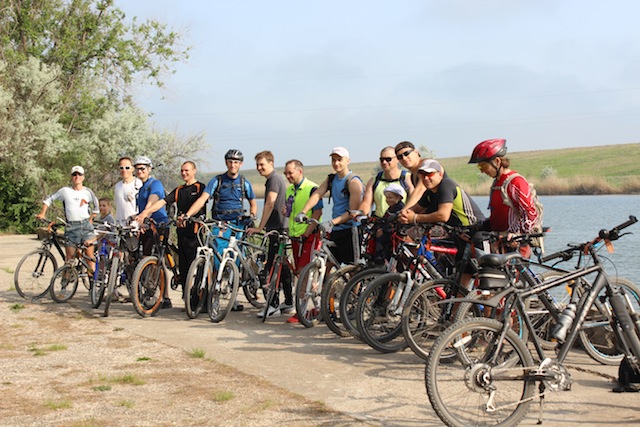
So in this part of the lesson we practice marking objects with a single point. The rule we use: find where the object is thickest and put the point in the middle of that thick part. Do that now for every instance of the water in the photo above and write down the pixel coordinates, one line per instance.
(575, 219)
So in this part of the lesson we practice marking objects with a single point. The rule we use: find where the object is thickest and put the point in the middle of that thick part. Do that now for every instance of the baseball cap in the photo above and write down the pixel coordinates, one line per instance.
(142, 160)
(430, 165)
(340, 151)
(78, 169)
(395, 189)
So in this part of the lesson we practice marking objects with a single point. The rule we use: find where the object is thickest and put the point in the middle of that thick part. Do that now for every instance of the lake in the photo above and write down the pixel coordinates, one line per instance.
(575, 219)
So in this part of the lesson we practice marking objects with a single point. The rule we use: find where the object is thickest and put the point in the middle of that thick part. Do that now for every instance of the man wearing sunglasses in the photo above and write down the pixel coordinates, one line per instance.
(125, 191)
(443, 200)
(390, 173)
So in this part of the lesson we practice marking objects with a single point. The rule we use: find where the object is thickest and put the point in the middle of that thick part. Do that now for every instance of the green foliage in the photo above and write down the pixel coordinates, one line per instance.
(67, 72)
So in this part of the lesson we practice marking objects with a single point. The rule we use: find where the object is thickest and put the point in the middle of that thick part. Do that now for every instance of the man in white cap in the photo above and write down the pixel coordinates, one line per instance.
(346, 190)
(442, 201)
(80, 207)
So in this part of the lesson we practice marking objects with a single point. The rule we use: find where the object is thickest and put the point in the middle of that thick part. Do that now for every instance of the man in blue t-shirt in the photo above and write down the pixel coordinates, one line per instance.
(228, 191)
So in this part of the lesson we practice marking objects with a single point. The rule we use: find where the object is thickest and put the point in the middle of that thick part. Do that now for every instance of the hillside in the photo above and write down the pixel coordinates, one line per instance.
(607, 169)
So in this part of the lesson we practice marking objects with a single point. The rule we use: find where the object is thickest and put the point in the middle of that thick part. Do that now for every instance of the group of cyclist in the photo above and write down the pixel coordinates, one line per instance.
(419, 192)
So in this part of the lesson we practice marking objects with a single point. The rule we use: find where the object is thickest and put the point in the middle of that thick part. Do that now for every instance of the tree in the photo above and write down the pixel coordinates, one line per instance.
(67, 73)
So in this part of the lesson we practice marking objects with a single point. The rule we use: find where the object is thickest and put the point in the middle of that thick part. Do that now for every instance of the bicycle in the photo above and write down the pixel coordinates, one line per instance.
(308, 290)
(35, 270)
(380, 306)
(122, 260)
(64, 282)
(280, 263)
(494, 369)
(149, 279)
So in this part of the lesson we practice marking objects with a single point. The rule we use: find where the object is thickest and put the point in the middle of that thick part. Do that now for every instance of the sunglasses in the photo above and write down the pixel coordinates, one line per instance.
(428, 174)
(126, 167)
(76, 174)
(386, 159)
(405, 154)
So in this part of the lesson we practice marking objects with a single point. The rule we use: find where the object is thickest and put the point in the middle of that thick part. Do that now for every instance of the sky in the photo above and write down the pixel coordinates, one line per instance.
(301, 77)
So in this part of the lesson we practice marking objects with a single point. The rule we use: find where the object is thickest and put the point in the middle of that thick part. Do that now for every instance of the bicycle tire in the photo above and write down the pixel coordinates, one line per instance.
(64, 284)
(272, 288)
(350, 295)
(459, 390)
(600, 342)
(308, 293)
(195, 291)
(111, 284)
(147, 285)
(33, 274)
(100, 282)
(252, 286)
(331, 295)
(221, 300)
(422, 318)
(379, 327)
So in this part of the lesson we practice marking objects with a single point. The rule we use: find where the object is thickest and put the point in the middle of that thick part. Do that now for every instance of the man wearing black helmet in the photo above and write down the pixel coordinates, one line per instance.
(228, 191)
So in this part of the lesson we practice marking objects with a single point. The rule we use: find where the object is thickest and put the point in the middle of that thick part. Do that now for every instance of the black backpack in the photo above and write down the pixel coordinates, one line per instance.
(345, 190)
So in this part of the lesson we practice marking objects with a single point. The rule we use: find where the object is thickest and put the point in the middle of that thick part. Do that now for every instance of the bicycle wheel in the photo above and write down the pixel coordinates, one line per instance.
(112, 282)
(423, 319)
(378, 319)
(480, 387)
(253, 285)
(308, 294)
(196, 285)
(350, 295)
(64, 283)
(272, 289)
(597, 336)
(148, 284)
(100, 281)
(223, 294)
(34, 273)
(331, 295)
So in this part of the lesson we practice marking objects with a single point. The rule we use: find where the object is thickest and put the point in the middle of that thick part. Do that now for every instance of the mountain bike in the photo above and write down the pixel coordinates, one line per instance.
(276, 273)
(34, 271)
(308, 290)
(492, 378)
(121, 263)
(149, 279)
(379, 309)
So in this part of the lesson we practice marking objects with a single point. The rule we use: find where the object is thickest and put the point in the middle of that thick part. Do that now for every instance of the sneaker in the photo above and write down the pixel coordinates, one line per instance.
(286, 308)
(273, 311)
(237, 307)
(166, 303)
(293, 319)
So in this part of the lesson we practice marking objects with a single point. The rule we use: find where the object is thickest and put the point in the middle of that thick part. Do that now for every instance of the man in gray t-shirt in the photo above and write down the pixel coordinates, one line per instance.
(273, 219)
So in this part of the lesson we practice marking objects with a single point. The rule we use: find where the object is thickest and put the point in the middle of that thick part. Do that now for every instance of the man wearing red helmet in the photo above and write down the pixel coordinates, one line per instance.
(521, 218)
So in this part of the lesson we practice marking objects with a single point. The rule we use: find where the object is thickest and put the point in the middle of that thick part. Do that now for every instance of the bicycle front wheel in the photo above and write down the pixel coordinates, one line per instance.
(308, 294)
(377, 318)
(64, 284)
(111, 284)
(196, 285)
(350, 295)
(34, 273)
(147, 285)
(597, 336)
(332, 291)
(100, 282)
(222, 293)
(488, 383)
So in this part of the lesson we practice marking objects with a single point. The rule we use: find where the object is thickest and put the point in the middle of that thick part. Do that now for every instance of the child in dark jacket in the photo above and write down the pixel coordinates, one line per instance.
(394, 194)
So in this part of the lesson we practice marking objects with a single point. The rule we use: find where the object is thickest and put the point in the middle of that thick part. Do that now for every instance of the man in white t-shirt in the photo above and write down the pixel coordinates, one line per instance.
(125, 191)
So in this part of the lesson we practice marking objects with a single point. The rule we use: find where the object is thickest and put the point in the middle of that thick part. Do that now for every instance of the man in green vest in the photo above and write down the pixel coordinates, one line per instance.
(303, 237)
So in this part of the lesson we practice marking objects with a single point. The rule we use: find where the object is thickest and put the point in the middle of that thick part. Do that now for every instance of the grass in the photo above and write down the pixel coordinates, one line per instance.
(126, 404)
(10, 271)
(143, 359)
(58, 404)
(127, 379)
(198, 353)
(102, 388)
(16, 307)
(38, 351)
(223, 396)
(606, 169)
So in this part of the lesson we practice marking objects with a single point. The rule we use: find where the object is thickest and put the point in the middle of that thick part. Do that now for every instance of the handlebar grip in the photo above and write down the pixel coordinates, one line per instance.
(613, 234)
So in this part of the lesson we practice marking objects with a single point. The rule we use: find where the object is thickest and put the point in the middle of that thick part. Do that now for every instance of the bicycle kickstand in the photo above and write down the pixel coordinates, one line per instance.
(541, 389)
